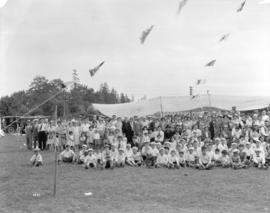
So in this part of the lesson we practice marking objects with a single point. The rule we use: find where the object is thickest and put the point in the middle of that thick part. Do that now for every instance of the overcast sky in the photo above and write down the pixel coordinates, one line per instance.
(52, 37)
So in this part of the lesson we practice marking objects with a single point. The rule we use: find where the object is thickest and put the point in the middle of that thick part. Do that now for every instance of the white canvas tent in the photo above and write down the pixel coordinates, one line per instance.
(182, 103)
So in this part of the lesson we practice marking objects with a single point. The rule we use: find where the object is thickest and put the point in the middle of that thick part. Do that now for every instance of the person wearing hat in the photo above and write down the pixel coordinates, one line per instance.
(173, 160)
(235, 160)
(136, 156)
(36, 160)
(90, 161)
(259, 160)
(162, 159)
(82, 154)
(190, 157)
(67, 155)
(121, 158)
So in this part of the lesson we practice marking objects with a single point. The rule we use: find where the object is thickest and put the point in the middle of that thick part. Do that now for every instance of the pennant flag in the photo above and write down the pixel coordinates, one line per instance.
(201, 81)
(211, 63)
(194, 96)
(145, 34)
(224, 37)
(181, 5)
(94, 70)
(241, 6)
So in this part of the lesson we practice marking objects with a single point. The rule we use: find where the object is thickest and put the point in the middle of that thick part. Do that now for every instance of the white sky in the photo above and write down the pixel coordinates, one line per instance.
(52, 37)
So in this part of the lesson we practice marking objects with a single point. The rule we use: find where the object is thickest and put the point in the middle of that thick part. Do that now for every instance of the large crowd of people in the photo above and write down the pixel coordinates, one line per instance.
(200, 140)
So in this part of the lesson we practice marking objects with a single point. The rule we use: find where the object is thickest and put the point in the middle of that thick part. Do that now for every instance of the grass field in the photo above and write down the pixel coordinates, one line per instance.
(125, 190)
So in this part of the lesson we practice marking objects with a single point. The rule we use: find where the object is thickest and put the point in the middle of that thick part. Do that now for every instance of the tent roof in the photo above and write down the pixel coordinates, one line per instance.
(182, 103)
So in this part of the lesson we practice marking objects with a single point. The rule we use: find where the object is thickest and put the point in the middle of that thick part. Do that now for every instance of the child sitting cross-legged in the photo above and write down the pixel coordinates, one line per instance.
(182, 160)
(225, 159)
(235, 160)
(190, 157)
(90, 161)
(136, 156)
(121, 158)
(259, 160)
(129, 156)
(162, 159)
(173, 160)
(36, 160)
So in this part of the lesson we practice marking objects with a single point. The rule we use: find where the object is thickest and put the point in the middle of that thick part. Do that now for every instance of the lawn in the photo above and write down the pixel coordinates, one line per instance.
(127, 189)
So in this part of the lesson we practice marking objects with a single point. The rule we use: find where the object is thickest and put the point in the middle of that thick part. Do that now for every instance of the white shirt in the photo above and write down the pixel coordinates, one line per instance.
(36, 158)
(162, 159)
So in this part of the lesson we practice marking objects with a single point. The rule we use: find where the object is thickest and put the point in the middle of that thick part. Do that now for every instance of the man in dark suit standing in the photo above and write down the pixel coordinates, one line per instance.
(127, 128)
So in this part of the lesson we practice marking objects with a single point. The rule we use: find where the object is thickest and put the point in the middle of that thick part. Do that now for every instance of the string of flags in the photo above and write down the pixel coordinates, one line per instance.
(145, 34)
(147, 31)
(95, 69)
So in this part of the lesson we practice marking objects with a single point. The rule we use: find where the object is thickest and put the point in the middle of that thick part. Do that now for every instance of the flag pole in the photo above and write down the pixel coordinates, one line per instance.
(161, 108)
(55, 159)
(209, 98)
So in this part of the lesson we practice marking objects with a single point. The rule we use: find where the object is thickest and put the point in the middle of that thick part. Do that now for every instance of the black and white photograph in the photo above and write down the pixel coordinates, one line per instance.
(118, 106)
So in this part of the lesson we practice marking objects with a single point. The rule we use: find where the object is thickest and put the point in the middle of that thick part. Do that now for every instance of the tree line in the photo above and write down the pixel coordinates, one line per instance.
(72, 102)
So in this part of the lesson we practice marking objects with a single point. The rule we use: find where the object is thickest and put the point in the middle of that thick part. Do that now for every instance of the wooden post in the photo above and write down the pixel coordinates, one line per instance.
(55, 159)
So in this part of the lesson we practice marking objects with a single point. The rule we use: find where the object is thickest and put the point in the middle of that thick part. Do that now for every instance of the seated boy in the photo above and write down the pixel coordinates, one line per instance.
(90, 161)
(129, 156)
(137, 157)
(235, 160)
(162, 159)
(108, 163)
(82, 154)
(67, 155)
(259, 160)
(216, 158)
(205, 161)
(121, 158)
(100, 159)
(36, 160)
(190, 157)
(182, 160)
(225, 159)
(173, 160)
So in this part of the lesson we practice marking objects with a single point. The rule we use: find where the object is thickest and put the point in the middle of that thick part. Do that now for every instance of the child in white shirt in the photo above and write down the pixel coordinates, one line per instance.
(36, 160)
(162, 159)
(173, 160)
(90, 161)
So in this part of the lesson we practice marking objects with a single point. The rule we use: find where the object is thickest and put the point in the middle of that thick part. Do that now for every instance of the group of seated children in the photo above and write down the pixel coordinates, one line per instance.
(156, 155)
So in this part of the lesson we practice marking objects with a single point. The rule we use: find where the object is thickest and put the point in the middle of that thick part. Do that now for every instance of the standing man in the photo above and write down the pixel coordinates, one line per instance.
(42, 135)
(127, 129)
(29, 134)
